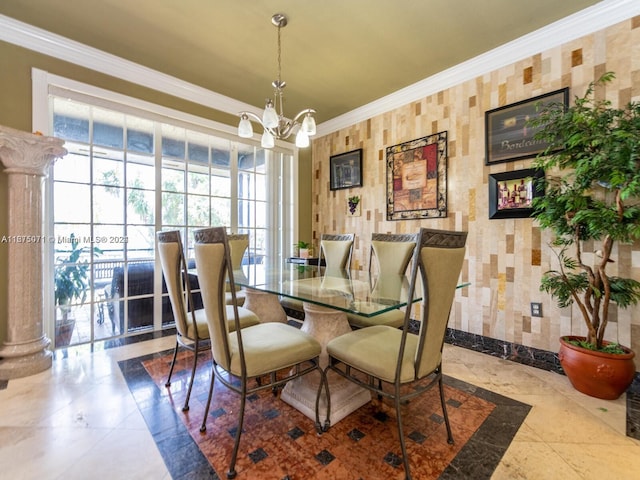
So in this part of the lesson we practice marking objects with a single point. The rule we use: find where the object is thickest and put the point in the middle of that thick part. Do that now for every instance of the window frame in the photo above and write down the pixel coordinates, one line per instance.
(283, 169)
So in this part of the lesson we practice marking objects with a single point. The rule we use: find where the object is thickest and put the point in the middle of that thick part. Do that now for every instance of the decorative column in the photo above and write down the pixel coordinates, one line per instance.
(26, 158)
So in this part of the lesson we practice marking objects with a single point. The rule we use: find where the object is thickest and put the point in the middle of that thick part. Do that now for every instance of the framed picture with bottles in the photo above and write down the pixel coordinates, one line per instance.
(511, 194)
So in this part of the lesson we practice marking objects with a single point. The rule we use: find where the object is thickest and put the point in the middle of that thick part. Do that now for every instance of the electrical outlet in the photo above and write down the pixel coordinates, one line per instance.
(536, 309)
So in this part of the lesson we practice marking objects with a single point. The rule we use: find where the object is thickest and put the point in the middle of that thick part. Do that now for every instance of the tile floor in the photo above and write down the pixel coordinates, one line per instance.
(79, 420)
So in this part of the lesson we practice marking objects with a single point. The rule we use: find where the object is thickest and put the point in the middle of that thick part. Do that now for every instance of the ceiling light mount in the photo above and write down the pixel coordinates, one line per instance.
(273, 121)
(279, 20)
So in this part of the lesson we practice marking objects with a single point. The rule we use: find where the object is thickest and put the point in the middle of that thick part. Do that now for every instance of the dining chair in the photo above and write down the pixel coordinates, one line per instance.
(272, 350)
(192, 331)
(392, 254)
(238, 244)
(335, 250)
(397, 364)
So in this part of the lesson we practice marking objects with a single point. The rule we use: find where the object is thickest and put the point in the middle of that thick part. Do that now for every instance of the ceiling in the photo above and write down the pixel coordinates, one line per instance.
(337, 55)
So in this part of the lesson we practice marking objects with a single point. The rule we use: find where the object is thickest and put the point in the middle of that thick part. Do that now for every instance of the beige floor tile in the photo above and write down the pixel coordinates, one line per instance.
(122, 454)
(594, 462)
(556, 419)
(36, 453)
(533, 461)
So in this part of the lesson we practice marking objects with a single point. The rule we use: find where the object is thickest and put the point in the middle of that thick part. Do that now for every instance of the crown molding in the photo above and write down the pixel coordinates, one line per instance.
(597, 17)
(584, 22)
(53, 45)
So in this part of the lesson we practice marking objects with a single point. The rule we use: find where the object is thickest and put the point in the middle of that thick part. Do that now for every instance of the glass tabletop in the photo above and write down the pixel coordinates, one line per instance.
(352, 291)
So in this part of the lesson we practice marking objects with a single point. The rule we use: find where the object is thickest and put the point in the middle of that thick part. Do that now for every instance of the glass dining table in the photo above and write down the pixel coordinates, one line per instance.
(326, 297)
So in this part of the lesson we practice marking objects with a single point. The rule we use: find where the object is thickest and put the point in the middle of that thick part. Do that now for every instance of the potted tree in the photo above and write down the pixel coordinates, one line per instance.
(590, 203)
(71, 284)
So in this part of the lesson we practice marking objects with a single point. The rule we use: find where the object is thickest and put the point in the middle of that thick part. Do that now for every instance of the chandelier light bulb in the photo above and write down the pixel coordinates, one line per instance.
(245, 130)
(270, 116)
(267, 140)
(309, 124)
(302, 139)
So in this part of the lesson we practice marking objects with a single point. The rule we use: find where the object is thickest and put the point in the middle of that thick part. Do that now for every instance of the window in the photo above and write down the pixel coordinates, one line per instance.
(128, 174)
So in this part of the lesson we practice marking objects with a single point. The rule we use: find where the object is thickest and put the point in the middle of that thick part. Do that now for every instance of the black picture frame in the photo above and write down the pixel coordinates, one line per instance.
(502, 203)
(507, 135)
(345, 170)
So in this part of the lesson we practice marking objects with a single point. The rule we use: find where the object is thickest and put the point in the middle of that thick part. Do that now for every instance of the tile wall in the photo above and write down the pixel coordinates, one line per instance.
(505, 257)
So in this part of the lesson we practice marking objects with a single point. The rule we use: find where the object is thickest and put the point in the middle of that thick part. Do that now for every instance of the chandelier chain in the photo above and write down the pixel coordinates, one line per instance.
(279, 57)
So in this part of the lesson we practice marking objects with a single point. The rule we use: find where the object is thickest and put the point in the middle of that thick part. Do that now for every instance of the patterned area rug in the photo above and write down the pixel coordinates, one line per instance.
(278, 442)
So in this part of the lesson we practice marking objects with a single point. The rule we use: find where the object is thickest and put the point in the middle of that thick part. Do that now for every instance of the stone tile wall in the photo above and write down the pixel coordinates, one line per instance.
(506, 257)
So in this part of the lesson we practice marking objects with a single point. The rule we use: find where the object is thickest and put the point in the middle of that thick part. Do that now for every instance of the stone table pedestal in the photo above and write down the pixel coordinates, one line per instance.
(325, 324)
(26, 158)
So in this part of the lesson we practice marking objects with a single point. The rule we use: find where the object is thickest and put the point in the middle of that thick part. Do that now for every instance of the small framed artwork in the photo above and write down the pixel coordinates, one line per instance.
(417, 178)
(508, 136)
(511, 194)
(346, 170)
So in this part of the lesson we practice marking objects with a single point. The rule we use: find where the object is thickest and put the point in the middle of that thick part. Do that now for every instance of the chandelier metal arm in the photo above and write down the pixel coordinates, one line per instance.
(302, 113)
(285, 126)
(252, 115)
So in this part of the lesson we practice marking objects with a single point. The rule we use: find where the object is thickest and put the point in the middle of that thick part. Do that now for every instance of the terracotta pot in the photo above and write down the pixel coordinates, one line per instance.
(597, 374)
(64, 332)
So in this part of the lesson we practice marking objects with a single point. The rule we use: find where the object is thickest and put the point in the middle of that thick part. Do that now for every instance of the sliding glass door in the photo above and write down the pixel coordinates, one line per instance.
(129, 174)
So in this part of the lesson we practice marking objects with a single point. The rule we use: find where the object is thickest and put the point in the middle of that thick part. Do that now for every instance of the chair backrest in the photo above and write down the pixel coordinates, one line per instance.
(392, 252)
(238, 244)
(213, 261)
(336, 250)
(174, 269)
(440, 256)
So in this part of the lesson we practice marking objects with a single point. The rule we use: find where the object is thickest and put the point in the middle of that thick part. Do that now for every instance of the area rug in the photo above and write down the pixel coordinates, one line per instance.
(280, 443)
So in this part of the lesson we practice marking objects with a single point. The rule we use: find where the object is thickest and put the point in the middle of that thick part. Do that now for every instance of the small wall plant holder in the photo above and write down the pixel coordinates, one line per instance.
(353, 206)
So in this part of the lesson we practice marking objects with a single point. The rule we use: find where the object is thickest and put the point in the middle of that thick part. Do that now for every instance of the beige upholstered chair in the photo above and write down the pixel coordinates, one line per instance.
(386, 359)
(336, 251)
(192, 331)
(259, 351)
(238, 244)
(392, 254)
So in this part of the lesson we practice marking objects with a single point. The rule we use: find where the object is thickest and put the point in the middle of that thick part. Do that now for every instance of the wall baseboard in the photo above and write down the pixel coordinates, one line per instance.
(534, 357)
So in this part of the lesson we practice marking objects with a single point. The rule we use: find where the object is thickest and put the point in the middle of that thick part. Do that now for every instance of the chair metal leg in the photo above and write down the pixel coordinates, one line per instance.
(403, 447)
(320, 428)
(173, 362)
(203, 427)
(185, 407)
(234, 455)
(444, 412)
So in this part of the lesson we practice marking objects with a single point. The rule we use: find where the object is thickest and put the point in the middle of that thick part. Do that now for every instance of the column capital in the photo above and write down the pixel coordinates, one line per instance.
(28, 153)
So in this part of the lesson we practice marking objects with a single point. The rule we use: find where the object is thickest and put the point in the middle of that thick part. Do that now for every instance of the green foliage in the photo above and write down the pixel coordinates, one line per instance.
(624, 291)
(72, 275)
(591, 191)
(612, 348)
(302, 244)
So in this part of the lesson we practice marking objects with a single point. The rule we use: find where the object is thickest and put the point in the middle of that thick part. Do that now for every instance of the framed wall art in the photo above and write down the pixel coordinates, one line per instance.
(345, 170)
(417, 178)
(507, 134)
(511, 194)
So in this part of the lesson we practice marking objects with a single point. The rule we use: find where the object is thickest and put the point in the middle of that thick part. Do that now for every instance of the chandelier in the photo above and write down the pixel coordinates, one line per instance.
(273, 121)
